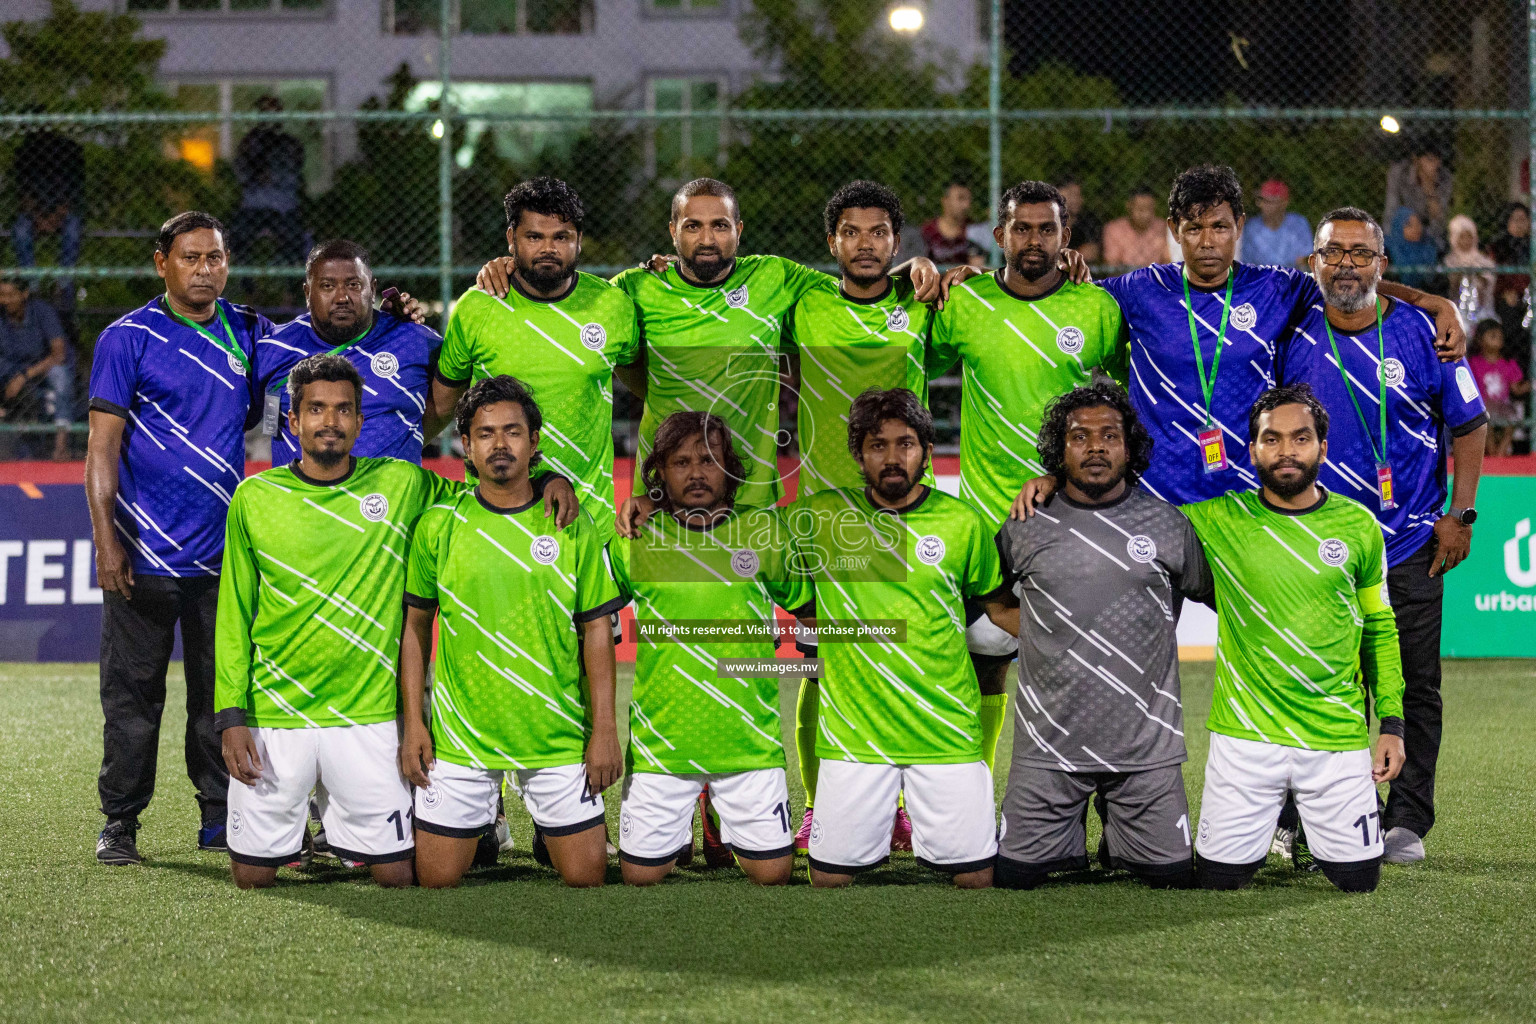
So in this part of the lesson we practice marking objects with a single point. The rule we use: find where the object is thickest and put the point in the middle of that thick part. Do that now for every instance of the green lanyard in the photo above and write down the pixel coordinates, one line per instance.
(230, 347)
(1381, 355)
(278, 384)
(1208, 384)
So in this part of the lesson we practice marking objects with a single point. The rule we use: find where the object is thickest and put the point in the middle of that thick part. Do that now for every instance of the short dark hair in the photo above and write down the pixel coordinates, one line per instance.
(1143, 189)
(1031, 192)
(1053, 431)
(1204, 188)
(190, 220)
(323, 367)
(1351, 214)
(549, 196)
(1484, 326)
(863, 195)
(489, 391)
(704, 187)
(874, 406)
(336, 249)
(1289, 394)
(676, 429)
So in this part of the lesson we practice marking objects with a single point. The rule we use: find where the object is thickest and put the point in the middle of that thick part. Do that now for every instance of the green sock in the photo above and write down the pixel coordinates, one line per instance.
(994, 712)
(805, 736)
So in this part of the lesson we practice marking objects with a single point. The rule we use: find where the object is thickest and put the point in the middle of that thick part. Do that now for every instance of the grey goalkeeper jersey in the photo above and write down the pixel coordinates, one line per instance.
(1098, 655)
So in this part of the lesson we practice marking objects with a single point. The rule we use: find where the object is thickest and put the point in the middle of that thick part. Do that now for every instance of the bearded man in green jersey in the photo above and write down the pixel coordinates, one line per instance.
(1304, 632)
(704, 565)
(523, 613)
(308, 630)
(1022, 336)
(896, 565)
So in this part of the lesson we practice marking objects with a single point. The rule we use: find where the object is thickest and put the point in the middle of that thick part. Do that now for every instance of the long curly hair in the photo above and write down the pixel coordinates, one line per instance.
(1053, 432)
(678, 428)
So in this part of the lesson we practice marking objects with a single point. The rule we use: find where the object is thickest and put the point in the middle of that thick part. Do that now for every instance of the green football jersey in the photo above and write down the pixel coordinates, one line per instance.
(1295, 594)
(565, 351)
(511, 596)
(309, 598)
(683, 717)
(716, 348)
(847, 345)
(909, 699)
(1016, 355)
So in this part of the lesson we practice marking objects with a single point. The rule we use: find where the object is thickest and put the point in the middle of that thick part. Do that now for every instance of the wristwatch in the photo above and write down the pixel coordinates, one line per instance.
(1465, 516)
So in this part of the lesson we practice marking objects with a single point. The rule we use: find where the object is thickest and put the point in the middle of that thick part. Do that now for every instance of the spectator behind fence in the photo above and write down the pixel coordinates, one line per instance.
(270, 167)
(1511, 247)
(1276, 238)
(1501, 381)
(1422, 184)
(49, 170)
(1087, 232)
(1472, 287)
(1409, 245)
(945, 236)
(33, 349)
(1138, 239)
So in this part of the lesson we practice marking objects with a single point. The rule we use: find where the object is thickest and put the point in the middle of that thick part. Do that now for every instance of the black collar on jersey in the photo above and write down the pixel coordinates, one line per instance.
(997, 275)
(1322, 491)
(1389, 306)
(1130, 487)
(900, 511)
(525, 293)
(1211, 289)
(166, 307)
(890, 286)
(306, 478)
(499, 510)
(695, 284)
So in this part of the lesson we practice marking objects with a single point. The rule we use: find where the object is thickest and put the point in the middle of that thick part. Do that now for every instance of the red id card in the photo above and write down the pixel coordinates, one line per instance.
(1213, 450)
(1384, 486)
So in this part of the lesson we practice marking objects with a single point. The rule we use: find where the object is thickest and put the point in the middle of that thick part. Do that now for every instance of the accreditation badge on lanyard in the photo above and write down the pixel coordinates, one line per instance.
(1213, 447)
(1384, 489)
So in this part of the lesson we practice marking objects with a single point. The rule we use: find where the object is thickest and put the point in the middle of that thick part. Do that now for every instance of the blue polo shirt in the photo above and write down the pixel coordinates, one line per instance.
(1267, 304)
(1428, 403)
(395, 359)
(187, 401)
(24, 344)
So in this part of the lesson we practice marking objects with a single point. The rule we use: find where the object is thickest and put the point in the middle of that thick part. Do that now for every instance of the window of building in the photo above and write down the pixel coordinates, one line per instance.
(202, 144)
(521, 142)
(490, 17)
(224, 6)
(686, 147)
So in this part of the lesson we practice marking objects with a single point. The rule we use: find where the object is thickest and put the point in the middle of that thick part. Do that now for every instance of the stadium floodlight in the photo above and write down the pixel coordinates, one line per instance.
(437, 129)
(907, 19)
(1389, 124)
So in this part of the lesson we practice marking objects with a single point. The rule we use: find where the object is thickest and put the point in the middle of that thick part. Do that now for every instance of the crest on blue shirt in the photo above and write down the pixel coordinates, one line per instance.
(384, 364)
(1393, 372)
(235, 365)
(1244, 316)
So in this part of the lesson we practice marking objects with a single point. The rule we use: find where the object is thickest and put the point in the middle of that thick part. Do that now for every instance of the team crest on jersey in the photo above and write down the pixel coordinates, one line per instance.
(815, 831)
(544, 549)
(431, 797)
(1069, 340)
(593, 337)
(736, 297)
(930, 549)
(236, 823)
(625, 825)
(896, 318)
(1465, 384)
(1333, 551)
(1141, 548)
(1392, 372)
(1244, 316)
(384, 364)
(745, 563)
(235, 365)
(374, 507)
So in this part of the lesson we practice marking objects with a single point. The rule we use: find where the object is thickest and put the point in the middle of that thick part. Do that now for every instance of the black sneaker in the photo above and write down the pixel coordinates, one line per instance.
(213, 837)
(116, 845)
(487, 849)
(541, 848)
(1301, 852)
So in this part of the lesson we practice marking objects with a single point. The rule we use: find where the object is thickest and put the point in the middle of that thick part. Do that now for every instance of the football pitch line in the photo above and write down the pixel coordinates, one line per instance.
(173, 940)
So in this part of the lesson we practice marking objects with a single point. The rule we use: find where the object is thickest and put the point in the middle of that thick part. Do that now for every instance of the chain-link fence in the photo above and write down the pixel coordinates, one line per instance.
(112, 120)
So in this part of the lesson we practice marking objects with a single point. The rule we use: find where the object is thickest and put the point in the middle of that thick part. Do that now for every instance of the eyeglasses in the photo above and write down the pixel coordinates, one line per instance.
(1334, 255)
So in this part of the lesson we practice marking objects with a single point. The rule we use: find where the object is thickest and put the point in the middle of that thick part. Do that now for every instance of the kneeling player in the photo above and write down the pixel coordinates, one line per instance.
(1301, 599)
(1099, 571)
(692, 730)
(309, 620)
(523, 609)
(898, 714)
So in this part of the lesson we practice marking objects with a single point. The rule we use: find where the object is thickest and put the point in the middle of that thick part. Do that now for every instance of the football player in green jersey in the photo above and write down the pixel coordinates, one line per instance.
(308, 630)
(1022, 336)
(523, 612)
(693, 729)
(564, 333)
(899, 711)
(1304, 632)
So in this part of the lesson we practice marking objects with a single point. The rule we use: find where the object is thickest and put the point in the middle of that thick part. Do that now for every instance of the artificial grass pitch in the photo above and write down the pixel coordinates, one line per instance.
(173, 940)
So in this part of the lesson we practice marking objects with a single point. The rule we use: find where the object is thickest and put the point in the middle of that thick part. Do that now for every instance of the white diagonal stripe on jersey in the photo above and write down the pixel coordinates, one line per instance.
(1083, 537)
(1291, 551)
(726, 701)
(332, 709)
(1135, 372)
(142, 518)
(883, 755)
(1040, 741)
(1039, 706)
(1243, 717)
(205, 366)
(833, 739)
(646, 721)
(704, 658)
(356, 641)
(147, 432)
(529, 689)
(1060, 608)
(510, 643)
(1305, 745)
(420, 405)
(1101, 639)
(827, 701)
(143, 548)
(1167, 612)
(497, 545)
(130, 323)
(634, 741)
(1025, 338)
(1032, 613)
(261, 478)
(342, 603)
(279, 344)
(267, 662)
(970, 291)
(1237, 681)
(1214, 560)
(1097, 758)
(1301, 677)
(285, 566)
(1298, 643)
(215, 488)
(333, 515)
(954, 620)
(283, 705)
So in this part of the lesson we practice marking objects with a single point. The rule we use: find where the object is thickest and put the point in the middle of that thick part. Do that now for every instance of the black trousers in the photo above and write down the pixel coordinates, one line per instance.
(1417, 603)
(136, 641)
